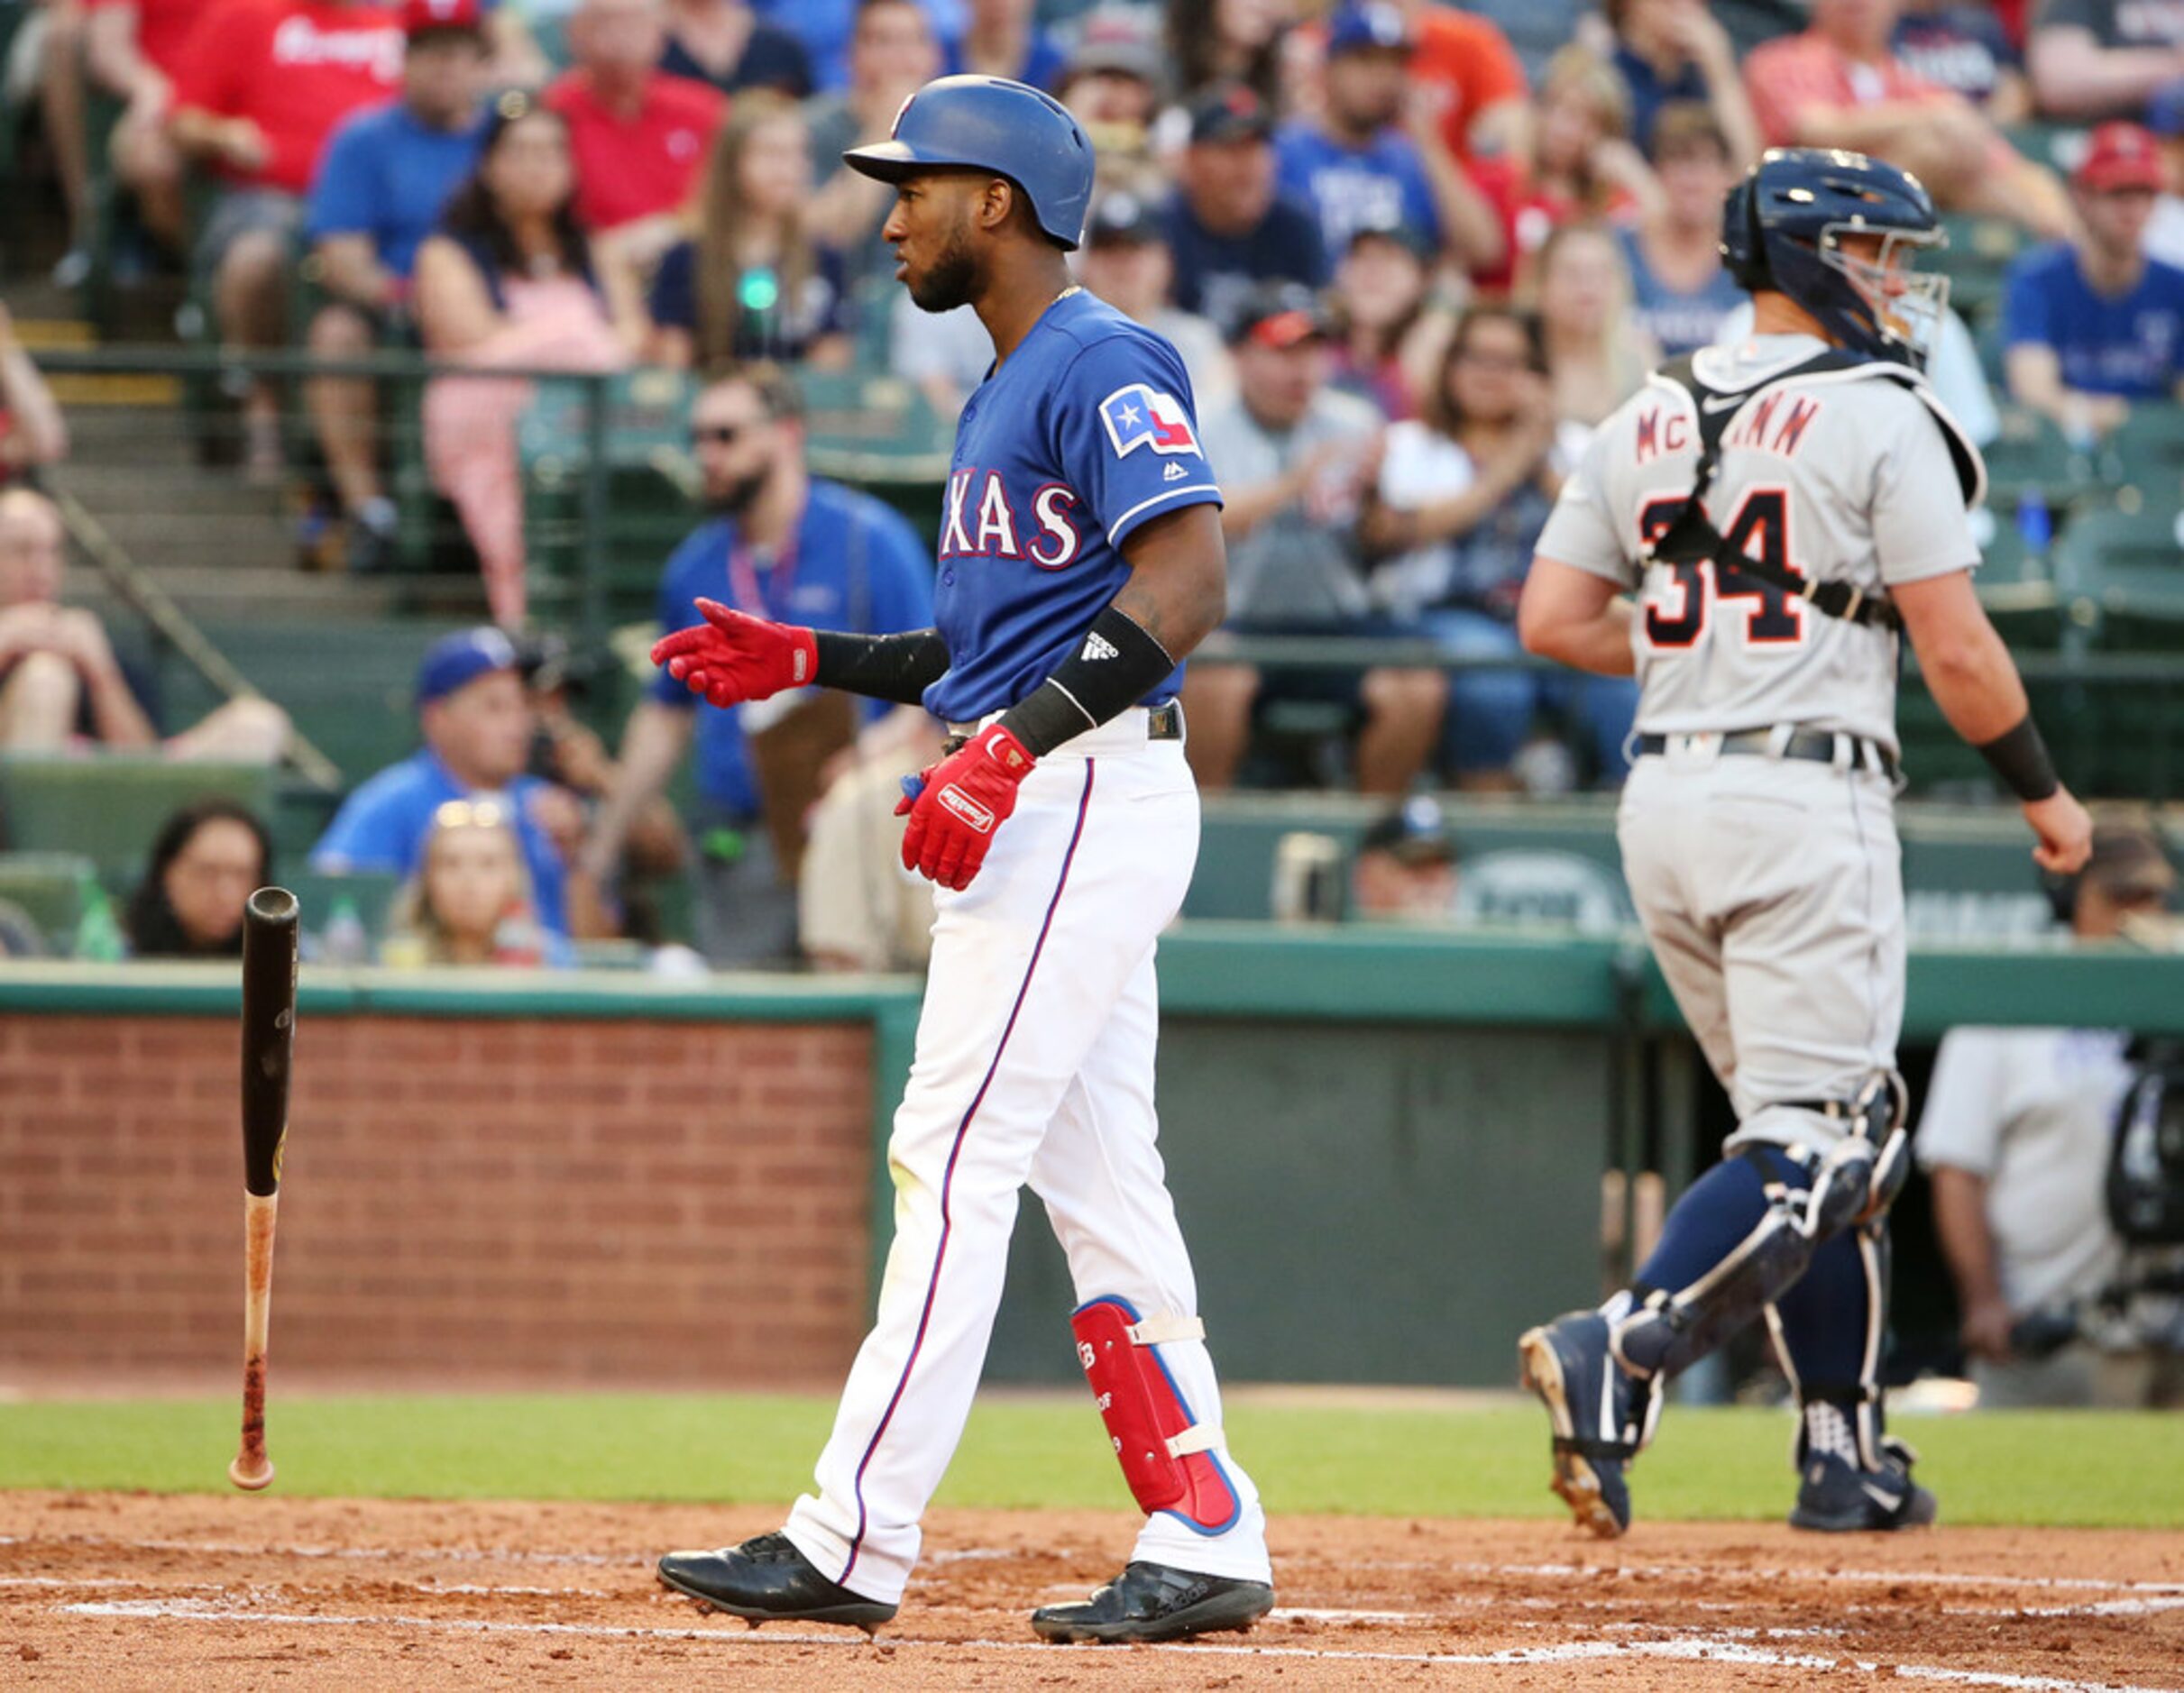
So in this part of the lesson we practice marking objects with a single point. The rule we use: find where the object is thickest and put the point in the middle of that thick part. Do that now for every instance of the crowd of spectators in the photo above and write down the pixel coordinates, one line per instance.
(1412, 255)
(1409, 265)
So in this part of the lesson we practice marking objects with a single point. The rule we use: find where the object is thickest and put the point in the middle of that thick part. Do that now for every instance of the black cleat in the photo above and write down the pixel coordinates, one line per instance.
(1836, 1496)
(1568, 1366)
(765, 1580)
(1152, 1601)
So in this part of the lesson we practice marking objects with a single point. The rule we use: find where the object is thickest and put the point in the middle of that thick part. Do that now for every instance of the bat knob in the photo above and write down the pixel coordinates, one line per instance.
(252, 1475)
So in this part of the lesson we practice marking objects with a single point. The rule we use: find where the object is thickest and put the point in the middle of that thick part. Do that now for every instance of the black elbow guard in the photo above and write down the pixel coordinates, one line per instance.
(1115, 665)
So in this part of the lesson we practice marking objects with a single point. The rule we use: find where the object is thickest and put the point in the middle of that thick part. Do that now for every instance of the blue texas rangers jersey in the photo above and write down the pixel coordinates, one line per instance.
(1084, 434)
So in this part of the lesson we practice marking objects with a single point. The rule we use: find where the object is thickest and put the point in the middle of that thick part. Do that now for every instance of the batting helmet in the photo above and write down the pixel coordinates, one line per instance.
(1781, 228)
(991, 123)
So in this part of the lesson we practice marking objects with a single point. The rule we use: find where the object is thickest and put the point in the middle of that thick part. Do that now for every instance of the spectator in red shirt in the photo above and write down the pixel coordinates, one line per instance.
(639, 136)
(134, 50)
(1581, 163)
(1840, 85)
(263, 84)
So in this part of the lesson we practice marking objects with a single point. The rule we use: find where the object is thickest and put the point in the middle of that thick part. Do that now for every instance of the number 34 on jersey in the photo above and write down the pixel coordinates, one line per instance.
(1681, 598)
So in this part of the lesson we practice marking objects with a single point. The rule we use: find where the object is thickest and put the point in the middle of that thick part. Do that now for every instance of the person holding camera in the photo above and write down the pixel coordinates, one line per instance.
(2016, 1138)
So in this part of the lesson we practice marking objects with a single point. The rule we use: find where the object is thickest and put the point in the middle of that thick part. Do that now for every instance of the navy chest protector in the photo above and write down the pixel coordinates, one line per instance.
(1691, 537)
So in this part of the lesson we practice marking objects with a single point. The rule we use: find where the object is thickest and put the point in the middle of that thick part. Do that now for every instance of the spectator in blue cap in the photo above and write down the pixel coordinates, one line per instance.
(477, 724)
(1374, 156)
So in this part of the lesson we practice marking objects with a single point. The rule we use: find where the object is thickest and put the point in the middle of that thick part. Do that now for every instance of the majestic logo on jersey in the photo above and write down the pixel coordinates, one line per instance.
(981, 521)
(1140, 416)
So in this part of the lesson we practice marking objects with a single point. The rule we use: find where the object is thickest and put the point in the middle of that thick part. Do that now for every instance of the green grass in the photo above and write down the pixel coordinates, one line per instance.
(2089, 1468)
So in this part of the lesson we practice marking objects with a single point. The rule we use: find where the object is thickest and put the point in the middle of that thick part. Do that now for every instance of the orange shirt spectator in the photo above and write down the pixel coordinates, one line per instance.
(293, 69)
(1467, 67)
(635, 161)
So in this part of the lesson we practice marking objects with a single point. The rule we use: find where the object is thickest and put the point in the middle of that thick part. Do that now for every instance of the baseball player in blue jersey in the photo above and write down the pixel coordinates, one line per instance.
(1080, 558)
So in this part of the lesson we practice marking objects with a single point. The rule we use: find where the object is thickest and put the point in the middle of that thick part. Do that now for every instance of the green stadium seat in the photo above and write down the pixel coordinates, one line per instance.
(2031, 456)
(373, 892)
(2120, 574)
(107, 807)
(1975, 261)
(47, 888)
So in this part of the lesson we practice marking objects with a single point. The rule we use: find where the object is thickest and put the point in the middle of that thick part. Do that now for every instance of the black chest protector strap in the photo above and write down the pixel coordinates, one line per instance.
(1693, 538)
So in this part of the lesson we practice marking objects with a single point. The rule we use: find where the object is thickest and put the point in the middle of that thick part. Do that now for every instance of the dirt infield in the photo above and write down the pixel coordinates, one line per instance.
(102, 1590)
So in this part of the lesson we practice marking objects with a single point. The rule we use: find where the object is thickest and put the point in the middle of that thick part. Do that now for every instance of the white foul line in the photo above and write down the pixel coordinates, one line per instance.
(1688, 1648)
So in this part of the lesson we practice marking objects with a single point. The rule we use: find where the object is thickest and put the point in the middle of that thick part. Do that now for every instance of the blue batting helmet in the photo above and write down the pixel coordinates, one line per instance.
(991, 123)
(1781, 229)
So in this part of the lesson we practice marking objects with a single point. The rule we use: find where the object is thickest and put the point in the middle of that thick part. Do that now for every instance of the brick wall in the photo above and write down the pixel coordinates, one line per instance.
(491, 1200)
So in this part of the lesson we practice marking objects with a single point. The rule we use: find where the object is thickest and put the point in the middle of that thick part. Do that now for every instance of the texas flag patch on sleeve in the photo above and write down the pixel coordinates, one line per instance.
(1138, 416)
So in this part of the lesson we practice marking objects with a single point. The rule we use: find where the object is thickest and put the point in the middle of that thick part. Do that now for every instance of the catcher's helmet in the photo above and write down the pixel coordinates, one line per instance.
(991, 123)
(1781, 227)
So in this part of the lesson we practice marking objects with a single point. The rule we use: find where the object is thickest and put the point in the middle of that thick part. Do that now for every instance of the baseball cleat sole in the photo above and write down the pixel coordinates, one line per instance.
(1231, 1612)
(1575, 1480)
(867, 1614)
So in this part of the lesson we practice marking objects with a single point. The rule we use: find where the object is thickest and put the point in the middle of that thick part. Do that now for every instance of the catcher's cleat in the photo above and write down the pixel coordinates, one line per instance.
(766, 1580)
(1567, 1364)
(1837, 1496)
(1152, 1601)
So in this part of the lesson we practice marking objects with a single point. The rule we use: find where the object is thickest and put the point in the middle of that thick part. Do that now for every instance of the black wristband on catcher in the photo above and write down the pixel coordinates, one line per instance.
(1115, 666)
(898, 667)
(2020, 757)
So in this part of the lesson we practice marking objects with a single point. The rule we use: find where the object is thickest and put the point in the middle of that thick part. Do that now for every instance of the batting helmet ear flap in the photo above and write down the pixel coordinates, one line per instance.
(1743, 254)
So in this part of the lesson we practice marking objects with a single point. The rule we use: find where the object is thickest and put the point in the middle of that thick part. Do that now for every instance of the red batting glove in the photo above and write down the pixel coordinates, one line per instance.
(961, 802)
(730, 657)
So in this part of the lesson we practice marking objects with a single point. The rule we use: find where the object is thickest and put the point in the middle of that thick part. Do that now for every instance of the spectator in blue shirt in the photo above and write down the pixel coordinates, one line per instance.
(724, 42)
(477, 724)
(1679, 292)
(825, 27)
(1002, 38)
(780, 545)
(2093, 325)
(382, 182)
(1229, 226)
(1356, 166)
(1963, 47)
(1671, 51)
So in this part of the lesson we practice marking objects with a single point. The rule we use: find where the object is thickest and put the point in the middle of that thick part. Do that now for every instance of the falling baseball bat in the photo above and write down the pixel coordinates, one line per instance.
(268, 1040)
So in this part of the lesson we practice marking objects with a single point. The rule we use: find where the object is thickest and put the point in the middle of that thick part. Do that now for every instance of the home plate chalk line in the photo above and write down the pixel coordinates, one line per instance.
(583, 1559)
(1693, 1648)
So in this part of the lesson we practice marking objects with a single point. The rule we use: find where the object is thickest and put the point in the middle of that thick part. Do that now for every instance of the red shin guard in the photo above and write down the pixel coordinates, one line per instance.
(1167, 1457)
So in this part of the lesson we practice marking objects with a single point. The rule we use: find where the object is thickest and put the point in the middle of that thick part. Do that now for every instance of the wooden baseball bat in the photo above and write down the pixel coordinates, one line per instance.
(269, 1039)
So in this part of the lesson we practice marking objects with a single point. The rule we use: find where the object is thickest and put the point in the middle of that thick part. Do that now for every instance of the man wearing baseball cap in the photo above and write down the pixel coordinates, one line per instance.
(387, 172)
(1228, 225)
(2093, 324)
(1355, 163)
(476, 721)
(2015, 1136)
(1126, 261)
(1294, 456)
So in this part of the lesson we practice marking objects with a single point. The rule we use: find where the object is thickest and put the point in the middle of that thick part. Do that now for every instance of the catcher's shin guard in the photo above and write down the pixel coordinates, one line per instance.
(1169, 1457)
(1666, 1329)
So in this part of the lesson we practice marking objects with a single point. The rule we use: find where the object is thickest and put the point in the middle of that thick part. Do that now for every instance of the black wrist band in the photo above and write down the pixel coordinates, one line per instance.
(2020, 757)
(1115, 666)
(898, 667)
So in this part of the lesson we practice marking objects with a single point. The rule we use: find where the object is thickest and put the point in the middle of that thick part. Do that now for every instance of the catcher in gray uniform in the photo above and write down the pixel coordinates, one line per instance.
(1784, 512)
